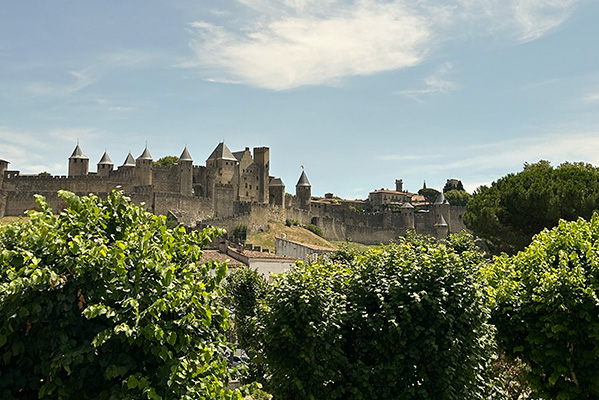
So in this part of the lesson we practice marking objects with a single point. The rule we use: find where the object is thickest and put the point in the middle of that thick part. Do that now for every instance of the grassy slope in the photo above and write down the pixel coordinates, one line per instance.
(294, 233)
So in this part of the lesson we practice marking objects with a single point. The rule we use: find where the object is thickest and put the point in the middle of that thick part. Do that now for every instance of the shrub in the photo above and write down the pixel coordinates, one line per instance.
(402, 321)
(291, 222)
(245, 289)
(546, 309)
(314, 229)
(103, 301)
(240, 233)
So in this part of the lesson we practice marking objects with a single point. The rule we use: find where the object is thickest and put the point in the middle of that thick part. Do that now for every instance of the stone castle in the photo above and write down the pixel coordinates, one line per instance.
(233, 188)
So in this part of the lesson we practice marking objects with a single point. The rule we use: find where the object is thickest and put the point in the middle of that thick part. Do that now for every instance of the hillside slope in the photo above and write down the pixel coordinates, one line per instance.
(294, 233)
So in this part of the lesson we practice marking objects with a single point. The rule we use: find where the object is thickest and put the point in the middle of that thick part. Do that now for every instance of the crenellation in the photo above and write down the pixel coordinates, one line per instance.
(233, 188)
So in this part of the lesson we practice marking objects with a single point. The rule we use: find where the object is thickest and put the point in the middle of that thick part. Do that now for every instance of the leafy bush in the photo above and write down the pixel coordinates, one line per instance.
(245, 289)
(546, 309)
(239, 233)
(291, 222)
(314, 229)
(103, 301)
(402, 321)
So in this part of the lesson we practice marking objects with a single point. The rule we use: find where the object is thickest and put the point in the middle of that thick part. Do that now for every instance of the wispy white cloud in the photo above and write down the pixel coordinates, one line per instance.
(591, 98)
(435, 83)
(297, 44)
(28, 151)
(75, 81)
(78, 80)
(285, 44)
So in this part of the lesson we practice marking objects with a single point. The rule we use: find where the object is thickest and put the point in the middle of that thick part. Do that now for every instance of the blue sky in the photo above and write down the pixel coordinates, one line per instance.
(359, 92)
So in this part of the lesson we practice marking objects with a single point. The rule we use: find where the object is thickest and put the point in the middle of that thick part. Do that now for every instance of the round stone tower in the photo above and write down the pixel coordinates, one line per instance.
(185, 164)
(144, 166)
(78, 163)
(105, 165)
(303, 191)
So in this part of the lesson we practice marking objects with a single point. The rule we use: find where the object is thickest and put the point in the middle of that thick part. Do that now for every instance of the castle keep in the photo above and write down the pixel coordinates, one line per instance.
(233, 188)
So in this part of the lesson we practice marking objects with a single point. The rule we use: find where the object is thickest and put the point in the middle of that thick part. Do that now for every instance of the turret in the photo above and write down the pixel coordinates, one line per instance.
(220, 167)
(129, 162)
(262, 160)
(441, 228)
(144, 166)
(3, 168)
(105, 166)
(441, 208)
(185, 164)
(78, 163)
(407, 213)
(303, 191)
(276, 190)
(399, 185)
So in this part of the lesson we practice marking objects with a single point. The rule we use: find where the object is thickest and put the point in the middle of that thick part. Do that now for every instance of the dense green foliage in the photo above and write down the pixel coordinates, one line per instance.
(240, 233)
(245, 289)
(430, 194)
(509, 212)
(403, 321)
(167, 160)
(546, 309)
(103, 301)
(314, 229)
(457, 197)
(453, 185)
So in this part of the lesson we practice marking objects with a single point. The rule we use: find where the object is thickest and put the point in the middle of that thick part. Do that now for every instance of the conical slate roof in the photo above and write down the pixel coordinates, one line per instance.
(185, 156)
(441, 199)
(129, 161)
(441, 221)
(145, 155)
(407, 205)
(303, 180)
(222, 152)
(77, 153)
(276, 182)
(106, 159)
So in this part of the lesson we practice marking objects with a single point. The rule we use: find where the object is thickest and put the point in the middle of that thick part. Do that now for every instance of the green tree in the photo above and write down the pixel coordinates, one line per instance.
(430, 194)
(402, 321)
(104, 301)
(457, 197)
(166, 160)
(246, 289)
(546, 309)
(514, 208)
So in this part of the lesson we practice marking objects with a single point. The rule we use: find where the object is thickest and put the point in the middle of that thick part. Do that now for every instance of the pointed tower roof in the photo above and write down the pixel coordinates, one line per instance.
(441, 221)
(303, 180)
(185, 156)
(441, 199)
(145, 155)
(276, 182)
(222, 152)
(106, 159)
(129, 161)
(77, 153)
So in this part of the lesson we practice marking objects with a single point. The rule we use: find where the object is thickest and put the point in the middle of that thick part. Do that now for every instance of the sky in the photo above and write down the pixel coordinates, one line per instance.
(358, 92)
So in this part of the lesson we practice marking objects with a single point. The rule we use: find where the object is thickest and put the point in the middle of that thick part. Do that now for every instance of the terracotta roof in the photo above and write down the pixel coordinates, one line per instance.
(215, 255)
(260, 254)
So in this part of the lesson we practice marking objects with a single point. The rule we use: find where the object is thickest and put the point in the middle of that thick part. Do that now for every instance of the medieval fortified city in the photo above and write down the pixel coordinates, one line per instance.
(232, 188)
